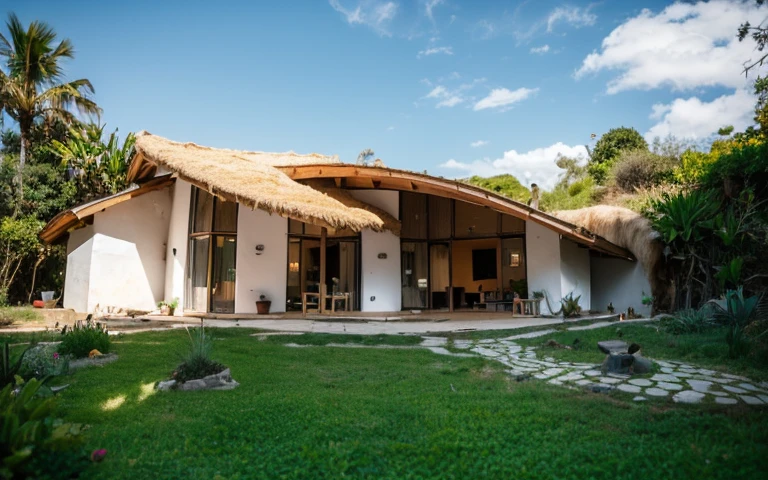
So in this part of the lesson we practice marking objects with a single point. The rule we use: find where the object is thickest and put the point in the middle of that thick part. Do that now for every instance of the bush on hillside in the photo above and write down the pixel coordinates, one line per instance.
(642, 169)
(579, 194)
(507, 185)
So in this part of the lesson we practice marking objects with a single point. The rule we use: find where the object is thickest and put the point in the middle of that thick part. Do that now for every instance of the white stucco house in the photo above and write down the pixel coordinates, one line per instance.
(219, 228)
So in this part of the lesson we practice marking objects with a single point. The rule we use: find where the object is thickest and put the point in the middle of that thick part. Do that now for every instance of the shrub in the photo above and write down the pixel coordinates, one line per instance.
(689, 321)
(579, 194)
(30, 435)
(197, 362)
(570, 306)
(739, 312)
(641, 169)
(608, 148)
(84, 337)
(43, 361)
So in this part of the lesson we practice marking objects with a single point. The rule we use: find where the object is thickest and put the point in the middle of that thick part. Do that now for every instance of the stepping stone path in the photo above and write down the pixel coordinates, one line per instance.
(686, 383)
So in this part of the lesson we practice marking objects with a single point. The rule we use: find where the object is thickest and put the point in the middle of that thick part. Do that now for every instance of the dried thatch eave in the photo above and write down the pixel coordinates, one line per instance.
(390, 223)
(632, 231)
(250, 178)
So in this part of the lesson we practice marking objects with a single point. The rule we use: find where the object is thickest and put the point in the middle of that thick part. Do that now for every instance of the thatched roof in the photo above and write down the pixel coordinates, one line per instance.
(390, 223)
(629, 230)
(251, 179)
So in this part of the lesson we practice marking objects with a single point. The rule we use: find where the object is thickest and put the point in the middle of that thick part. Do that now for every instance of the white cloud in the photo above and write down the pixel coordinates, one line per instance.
(479, 143)
(435, 51)
(372, 13)
(390, 128)
(445, 97)
(502, 97)
(685, 46)
(574, 16)
(540, 50)
(535, 166)
(450, 97)
(429, 6)
(693, 119)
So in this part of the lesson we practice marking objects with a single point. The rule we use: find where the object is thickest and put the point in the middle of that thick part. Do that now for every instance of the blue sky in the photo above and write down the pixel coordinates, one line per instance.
(420, 82)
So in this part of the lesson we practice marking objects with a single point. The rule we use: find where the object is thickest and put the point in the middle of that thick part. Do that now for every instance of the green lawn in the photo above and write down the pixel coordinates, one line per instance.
(320, 412)
(20, 315)
(703, 349)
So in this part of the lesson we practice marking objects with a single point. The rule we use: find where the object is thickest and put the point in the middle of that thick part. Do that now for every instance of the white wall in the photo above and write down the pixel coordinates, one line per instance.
(380, 277)
(78, 275)
(123, 253)
(575, 273)
(543, 255)
(260, 274)
(178, 231)
(619, 282)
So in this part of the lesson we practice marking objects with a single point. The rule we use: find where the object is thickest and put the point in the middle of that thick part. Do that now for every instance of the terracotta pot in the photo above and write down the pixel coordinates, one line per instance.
(165, 310)
(262, 306)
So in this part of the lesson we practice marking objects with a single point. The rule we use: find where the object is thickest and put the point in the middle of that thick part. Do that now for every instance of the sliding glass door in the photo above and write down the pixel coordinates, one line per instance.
(210, 273)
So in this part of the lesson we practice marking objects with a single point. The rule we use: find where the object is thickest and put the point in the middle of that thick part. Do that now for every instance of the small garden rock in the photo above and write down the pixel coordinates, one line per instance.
(612, 346)
(688, 396)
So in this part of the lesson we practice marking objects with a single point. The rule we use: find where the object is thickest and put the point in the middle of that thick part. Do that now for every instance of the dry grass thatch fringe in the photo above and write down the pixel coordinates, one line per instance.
(390, 223)
(251, 178)
(632, 231)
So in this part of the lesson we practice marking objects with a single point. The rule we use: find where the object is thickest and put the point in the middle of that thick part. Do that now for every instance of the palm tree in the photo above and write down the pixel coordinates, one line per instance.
(364, 155)
(32, 86)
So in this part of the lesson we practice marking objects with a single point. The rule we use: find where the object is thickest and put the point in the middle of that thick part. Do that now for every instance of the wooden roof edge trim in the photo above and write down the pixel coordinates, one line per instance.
(484, 197)
(65, 221)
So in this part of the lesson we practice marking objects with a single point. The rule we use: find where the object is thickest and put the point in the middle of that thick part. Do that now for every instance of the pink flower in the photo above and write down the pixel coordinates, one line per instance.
(98, 455)
(55, 355)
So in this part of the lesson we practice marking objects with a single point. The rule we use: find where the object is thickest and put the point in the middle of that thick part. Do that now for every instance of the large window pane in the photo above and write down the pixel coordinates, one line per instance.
(223, 274)
(293, 301)
(513, 266)
(225, 218)
(202, 211)
(474, 220)
(439, 218)
(413, 258)
(196, 296)
(414, 212)
(510, 224)
(439, 275)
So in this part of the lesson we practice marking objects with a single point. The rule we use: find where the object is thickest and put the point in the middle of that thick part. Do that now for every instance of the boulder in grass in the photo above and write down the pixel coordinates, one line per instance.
(219, 381)
(641, 364)
(612, 346)
(618, 363)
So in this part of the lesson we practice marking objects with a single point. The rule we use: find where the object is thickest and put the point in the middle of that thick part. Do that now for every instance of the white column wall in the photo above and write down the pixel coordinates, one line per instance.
(619, 282)
(381, 289)
(260, 274)
(575, 273)
(121, 257)
(178, 233)
(542, 247)
(78, 277)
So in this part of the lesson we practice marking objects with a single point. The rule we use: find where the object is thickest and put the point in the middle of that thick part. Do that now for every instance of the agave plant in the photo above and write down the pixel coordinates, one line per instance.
(738, 312)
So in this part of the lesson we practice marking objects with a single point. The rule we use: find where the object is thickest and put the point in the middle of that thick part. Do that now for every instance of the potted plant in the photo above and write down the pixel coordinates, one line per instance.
(172, 306)
(262, 305)
(168, 308)
(165, 310)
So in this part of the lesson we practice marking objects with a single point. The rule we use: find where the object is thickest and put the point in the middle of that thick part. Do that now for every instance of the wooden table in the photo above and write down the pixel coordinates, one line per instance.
(332, 297)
